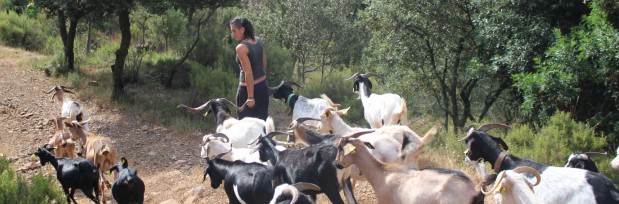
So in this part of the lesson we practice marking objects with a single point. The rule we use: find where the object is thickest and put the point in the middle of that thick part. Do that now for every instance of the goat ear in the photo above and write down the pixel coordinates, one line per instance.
(501, 143)
(124, 162)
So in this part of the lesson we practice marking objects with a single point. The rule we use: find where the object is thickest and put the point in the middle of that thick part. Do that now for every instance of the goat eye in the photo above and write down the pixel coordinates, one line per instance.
(330, 131)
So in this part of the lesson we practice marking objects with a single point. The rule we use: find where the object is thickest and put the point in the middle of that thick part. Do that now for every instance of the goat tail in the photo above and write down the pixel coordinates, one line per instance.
(427, 138)
(402, 115)
(269, 126)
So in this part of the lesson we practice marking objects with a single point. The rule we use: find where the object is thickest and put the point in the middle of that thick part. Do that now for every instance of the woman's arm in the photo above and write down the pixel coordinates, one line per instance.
(242, 53)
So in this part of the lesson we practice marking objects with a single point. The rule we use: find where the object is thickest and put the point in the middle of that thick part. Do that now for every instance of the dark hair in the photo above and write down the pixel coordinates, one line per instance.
(243, 22)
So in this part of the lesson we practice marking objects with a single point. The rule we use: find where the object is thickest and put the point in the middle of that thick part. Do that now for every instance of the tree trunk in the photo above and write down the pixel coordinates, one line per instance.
(121, 54)
(70, 44)
(89, 39)
(62, 26)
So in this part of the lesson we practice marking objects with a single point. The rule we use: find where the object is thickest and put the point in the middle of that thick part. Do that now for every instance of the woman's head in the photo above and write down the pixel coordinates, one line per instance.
(241, 29)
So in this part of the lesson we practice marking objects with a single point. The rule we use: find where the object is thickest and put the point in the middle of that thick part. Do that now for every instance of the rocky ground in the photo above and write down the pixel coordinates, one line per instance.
(165, 161)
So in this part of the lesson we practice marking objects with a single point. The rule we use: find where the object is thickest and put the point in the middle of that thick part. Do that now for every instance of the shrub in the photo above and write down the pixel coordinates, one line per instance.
(14, 188)
(21, 31)
(213, 83)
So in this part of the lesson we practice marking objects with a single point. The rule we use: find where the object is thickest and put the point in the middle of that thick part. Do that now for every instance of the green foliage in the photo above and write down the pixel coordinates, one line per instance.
(21, 31)
(212, 83)
(578, 74)
(14, 188)
(169, 28)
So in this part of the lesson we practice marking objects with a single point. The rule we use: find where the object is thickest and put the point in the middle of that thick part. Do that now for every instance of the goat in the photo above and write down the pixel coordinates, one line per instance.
(243, 182)
(300, 106)
(128, 187)
(560, 184)
(331, 122)
(98, 149)
(385, 140)
(77, 173)
(513, 187)
(218, 143)
(317, 167)
(615, 162)
(70, 109)
(291, 194)
(61, 140)
(379, 109)
(394, 183)
(583, 161)
(241, 131)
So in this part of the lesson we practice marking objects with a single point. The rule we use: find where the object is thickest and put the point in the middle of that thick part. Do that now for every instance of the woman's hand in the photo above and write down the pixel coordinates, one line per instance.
(250, 102)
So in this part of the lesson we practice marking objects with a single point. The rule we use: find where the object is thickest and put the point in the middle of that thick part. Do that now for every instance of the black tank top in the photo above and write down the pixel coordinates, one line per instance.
(256, 56)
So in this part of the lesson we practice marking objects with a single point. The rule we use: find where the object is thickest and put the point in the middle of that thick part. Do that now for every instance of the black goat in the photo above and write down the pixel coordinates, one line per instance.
(128, 187)
(583, 161)
(249, 182)
(558, 184)
(314, 164)
(77, 173)
(291, 194)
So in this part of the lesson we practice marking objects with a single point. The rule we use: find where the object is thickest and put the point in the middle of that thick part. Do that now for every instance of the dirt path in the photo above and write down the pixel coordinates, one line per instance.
(164, 161)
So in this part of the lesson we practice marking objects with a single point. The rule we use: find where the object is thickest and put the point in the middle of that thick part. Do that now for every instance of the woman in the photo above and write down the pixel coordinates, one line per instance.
(251, 56)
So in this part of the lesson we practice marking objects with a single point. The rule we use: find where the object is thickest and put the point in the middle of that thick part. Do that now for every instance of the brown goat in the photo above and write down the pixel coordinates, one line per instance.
(99, 150)
(61, 140)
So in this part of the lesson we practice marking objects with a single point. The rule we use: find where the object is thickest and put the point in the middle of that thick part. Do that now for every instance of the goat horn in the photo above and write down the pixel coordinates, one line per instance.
(530, 170)
(301, 120)
(294, 83)
(255, 140)
(353, 76)
(50, 91)
(222, 135)
(293, 191)
(274, 133)
(374, 74)
(358, 134)
(196, 109)
(275, 88)
(496, 183)
(487, 127)
(596, 153)
(468, 134)
(303, 186)
(240, 109)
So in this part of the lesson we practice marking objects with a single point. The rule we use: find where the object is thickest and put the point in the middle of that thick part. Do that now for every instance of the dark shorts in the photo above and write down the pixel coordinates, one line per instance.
(261, 97)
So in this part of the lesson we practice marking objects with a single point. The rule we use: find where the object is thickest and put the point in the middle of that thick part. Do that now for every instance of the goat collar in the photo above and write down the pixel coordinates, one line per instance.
(289, 97)
(499, 161)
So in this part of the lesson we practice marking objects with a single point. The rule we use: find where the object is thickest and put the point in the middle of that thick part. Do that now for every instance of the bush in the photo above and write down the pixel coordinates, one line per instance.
(16, 189)
(213, 83)
(21, 31)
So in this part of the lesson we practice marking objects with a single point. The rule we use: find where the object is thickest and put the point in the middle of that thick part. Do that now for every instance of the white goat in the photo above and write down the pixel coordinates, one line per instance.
(300, 106)
(615, 162)
(70, 109)
(409, 144)
(241, 132)
(511, 187)
(379, 109)
(393, 183)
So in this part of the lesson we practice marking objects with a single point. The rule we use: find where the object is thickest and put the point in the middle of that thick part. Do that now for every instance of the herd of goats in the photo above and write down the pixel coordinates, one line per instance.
(323, 154)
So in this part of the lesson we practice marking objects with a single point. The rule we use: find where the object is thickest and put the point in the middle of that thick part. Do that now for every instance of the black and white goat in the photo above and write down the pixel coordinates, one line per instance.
(243, 182)
(379, 109)
(300, 106)
(291, 194)
(559, 184)
(583, 161)
(240, 132)
(128, 187)
(313, 164)
(77, 173)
